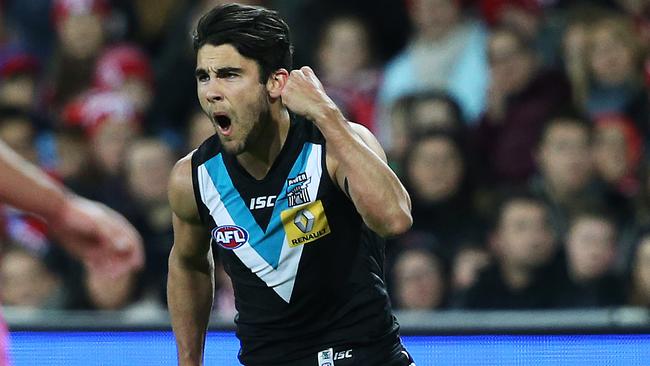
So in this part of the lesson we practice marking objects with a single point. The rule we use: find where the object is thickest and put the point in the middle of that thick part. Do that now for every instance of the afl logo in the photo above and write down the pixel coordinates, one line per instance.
(230, 236)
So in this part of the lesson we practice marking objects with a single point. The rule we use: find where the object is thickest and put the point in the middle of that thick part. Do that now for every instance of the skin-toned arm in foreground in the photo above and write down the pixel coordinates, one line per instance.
(99, 236)
(190, 286)
(355, 158)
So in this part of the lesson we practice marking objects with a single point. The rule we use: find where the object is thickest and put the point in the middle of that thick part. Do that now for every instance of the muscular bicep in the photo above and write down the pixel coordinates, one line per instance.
(190, 237)
(191, 241)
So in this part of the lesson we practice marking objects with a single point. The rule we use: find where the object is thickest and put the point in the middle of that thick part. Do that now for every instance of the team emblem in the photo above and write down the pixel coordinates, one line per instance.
(297, 193)
(230, 236)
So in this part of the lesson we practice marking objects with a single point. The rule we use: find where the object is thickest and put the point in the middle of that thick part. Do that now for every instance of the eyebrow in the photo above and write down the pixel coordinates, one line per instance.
(220, 72)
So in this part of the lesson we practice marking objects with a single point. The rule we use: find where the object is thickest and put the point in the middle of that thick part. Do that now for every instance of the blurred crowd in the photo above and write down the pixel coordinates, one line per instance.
(518, 126)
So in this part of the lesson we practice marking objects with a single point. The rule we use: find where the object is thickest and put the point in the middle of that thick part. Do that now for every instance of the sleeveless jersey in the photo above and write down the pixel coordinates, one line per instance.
(307, 273)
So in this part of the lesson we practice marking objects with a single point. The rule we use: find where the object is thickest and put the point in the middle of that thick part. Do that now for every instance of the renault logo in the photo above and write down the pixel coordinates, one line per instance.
(304, 220)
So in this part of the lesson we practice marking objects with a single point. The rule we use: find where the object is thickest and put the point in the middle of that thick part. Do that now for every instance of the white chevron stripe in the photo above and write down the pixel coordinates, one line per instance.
(282, 279)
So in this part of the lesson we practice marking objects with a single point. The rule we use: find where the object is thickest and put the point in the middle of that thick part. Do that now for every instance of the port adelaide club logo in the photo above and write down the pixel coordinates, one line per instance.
(230, 236)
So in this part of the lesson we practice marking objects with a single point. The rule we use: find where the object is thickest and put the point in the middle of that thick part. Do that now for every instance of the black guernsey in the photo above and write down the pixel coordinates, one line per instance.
(307, 272)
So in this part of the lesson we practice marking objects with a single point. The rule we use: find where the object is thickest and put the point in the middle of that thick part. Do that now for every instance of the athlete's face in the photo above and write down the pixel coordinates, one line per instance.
(229, 90)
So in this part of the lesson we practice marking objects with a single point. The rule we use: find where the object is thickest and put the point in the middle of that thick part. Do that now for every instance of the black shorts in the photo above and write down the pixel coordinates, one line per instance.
(375, 355)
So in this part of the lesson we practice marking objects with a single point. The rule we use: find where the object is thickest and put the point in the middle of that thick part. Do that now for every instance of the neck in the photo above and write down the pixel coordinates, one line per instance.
(265, 148)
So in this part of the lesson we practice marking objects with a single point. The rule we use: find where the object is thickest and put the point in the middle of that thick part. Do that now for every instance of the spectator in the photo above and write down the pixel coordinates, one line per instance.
(566, 179)
(521, 97)
(446, 52)
(525, 272)
(346, 63)
(420, 113)
(420, 280)
(126, 69)
(612, 76)
(81, 34)
(617, 153)
(436, 175)
(27, 281)
(110, 124)
(591, 248)
(639, 280)
(18, 79)
(536, 21)
(148, 165)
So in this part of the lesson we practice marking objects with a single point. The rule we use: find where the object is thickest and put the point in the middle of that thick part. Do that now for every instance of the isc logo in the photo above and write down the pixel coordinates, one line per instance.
(230, 236)
(262, 202)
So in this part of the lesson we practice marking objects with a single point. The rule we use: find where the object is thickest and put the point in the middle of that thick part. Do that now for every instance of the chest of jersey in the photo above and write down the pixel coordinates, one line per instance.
(267, 224)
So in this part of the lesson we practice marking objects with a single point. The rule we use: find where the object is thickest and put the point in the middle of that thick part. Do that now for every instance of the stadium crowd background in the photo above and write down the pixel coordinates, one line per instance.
(518, 126)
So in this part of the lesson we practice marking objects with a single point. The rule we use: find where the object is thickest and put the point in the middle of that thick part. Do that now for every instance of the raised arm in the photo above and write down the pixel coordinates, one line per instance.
(355, 159)
(190, 285)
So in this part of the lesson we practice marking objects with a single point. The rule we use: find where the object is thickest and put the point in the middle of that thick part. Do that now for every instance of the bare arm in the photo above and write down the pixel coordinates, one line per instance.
(24, 186)
(92, 232)
(355, 158)
(190, 286)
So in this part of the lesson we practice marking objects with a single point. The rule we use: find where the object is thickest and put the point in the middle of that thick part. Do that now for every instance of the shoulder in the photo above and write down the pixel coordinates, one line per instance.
(181, 190)
(364, 134)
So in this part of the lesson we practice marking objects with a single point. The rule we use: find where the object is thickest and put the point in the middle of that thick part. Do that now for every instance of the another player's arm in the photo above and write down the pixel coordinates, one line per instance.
(190, 286)
(106, 242)
(24, 186)
(355, 158)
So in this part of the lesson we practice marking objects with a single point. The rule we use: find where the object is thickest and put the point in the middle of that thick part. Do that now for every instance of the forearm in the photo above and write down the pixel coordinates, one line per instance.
(25, 186)
(190, 292)
(378, 195)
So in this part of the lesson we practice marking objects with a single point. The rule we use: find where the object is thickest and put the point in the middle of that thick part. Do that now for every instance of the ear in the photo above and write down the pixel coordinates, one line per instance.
(276, 82)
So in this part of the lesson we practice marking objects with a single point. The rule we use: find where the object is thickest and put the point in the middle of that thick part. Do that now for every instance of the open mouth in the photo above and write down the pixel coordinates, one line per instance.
(223, 122)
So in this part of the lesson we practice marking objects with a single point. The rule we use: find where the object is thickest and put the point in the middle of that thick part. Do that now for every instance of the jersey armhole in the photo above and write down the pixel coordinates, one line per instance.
(203, 211)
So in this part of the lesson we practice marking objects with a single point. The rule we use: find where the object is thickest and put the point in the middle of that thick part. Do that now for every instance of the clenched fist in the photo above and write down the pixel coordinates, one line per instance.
(304, 94)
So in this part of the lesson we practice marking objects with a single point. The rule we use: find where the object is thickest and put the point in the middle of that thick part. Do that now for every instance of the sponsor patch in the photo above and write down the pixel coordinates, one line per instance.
(230, 236)
(305, 224)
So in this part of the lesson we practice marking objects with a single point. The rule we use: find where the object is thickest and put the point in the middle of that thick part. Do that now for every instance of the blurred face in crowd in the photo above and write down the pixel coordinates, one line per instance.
(138, 92)
(524, 237)
(110, 142)
(435, 169)
(72, 152)
(81, 36)
(611, 56)
(610, 153)
(564, 157)
(419, 280)
(26, 281)
(591, 243)
(344, 50)
(18, 91)
(511, 65)
(18, 134)
(434, 18)
(149, 164)
(433, 114)
(641, 268)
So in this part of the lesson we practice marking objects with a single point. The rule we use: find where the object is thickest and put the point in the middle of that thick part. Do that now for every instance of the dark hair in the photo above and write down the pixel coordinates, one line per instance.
(568, 117)
(257, 33)
(594, 211)
(516, 195)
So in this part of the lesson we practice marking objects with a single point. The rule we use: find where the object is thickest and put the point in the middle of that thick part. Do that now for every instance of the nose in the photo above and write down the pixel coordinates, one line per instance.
(214, 93)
